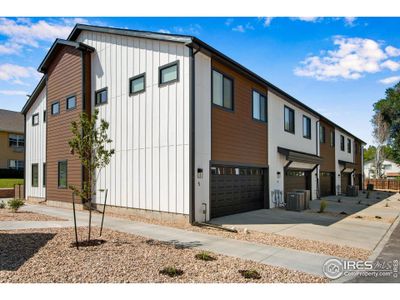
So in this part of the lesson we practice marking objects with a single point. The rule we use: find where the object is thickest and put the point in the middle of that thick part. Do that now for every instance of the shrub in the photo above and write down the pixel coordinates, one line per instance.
(250, 274)
(15, 204)
(171, 271)
(322, 206)
(204, 256)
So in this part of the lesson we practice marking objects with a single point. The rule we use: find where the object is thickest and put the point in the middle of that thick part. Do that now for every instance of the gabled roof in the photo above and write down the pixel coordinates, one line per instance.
(40, 86)
(11, 121)
(60, 42)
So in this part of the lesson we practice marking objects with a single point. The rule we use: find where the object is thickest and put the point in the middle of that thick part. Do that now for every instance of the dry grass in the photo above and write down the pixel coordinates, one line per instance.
(46, 255)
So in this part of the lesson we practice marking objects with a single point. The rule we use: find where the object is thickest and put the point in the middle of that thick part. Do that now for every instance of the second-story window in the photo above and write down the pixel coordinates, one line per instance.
(16, 140)
(100, 96)
(332, 142)
(259, 107)
(55, 108)
(342, 142)
(137, 84)
(71, 102)
(35, 119)
(169, 73)
(44, 116)
(322, 134)
(306, 127)
(222, 90)
(289, 119)
(348, 145)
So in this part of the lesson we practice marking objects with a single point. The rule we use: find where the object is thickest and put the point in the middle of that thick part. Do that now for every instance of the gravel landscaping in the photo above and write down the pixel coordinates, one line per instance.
(265, 238)
(8, 215)
(46, 255)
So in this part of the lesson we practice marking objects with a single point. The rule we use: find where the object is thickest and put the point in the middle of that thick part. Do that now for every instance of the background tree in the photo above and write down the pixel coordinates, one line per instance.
(381, 134)
(89, 143)
(389, 110)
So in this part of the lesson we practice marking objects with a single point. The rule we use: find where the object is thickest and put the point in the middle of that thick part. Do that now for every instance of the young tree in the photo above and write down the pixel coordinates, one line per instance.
(381, 134)
(89, 143)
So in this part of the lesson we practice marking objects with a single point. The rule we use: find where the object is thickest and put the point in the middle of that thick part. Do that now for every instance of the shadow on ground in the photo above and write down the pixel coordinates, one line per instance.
(17, 248)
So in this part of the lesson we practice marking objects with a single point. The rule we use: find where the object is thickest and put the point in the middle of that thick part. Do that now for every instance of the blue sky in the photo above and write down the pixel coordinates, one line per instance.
(338, 66)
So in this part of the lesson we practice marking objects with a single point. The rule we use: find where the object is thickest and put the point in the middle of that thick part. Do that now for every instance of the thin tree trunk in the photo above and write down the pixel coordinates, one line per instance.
(90, 217)
(76, 230)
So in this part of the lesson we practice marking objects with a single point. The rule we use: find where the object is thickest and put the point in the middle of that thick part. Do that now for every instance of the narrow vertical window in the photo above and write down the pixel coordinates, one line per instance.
(44, 174)
(332, 139)
(306, 127)
(222, 90)
(289, 120)
(259, 107)
(62, 174)
(342, 143)
(322, 134)
(35, 175)
(348, 145)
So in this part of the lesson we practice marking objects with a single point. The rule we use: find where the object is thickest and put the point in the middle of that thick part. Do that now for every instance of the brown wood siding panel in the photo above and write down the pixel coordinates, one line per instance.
(326, 151)
(236, 136)
(64, 79)
(357, 157)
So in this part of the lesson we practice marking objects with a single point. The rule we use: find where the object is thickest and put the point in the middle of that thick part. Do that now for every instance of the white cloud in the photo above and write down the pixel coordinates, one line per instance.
(16, 74)
(229, 22)
(349, 21)
(13, 92)
(390, 80)
(308, 19)
(164, 31)
(392, 51)
(243, 28)
(352, 58)
(391, 65)
(267, 21)
(193, 29)
(9, 48)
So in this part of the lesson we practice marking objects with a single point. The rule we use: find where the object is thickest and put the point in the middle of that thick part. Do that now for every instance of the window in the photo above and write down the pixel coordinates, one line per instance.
(348, 145)
(44, 174)
(169, 73)
(322, 134)
(44, 116)
(16, 140)
(137, 84)
(342, 142)
(289, 119)
(100, 96)
(306, 127)
(35, 119)
(62, 174)
(222, 90)
(16, 164)
(332, 139)
(71, 102)
(55, 108)
(259, 107)
(35, 175)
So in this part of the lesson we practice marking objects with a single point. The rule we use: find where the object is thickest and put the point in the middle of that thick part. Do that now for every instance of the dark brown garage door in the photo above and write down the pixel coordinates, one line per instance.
(327, 183)
(237, 189)
(345, 181)
(297, 180)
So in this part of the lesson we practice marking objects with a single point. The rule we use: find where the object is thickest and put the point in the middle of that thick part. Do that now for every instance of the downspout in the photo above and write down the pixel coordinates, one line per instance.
(317, 153)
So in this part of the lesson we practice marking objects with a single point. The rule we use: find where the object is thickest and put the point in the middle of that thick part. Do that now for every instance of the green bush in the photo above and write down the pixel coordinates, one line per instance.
(250, 274)
(171, 271)
(322, 206)
(15, 204)
(204, 256)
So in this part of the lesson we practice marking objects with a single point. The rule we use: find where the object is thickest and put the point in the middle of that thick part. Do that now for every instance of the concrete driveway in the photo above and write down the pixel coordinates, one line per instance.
(340, 224)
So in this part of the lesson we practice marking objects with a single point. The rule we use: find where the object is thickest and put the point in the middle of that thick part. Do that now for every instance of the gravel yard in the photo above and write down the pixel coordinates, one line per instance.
(46, 255)
(265, 238)
(8, 215)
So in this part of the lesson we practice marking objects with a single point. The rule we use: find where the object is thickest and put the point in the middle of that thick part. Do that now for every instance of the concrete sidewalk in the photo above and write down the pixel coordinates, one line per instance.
(282, 257)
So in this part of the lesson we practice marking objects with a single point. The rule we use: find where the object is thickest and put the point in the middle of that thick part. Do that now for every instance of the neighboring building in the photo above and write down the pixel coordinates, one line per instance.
(11, 143)
(195, 133)
(390, 169)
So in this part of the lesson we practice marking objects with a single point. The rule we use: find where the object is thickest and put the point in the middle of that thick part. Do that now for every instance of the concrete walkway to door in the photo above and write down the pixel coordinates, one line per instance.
(288, 258)
(375, 216)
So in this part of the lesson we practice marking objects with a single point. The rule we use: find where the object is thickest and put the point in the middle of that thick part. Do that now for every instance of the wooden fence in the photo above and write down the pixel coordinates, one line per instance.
(384, 184)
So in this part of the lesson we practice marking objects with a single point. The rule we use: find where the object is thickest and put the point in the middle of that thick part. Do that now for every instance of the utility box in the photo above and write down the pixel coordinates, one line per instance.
(295, 201)
(307, 197)
(352, 191)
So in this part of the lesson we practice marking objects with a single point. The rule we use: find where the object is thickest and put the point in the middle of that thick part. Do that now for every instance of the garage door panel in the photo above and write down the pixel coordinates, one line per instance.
(296, 180)
(242, 189)
(327, 183)
(345, 181)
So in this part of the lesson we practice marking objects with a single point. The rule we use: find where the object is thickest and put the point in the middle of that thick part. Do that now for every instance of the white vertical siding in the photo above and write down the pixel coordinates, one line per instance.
(150, 131)
(202, 133)
(277, 136)
(35, 147)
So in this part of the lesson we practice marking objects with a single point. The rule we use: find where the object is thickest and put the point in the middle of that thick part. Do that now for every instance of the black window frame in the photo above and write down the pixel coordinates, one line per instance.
(131, 93)
(166, 66)
(17, 139)
(51, 108)
(348, 145)
(223, 91)
(105, 89)
(33, 119)
(66, 174)
(342, 141)
(265, 106)
(291, 110)
(66, 103)
(332, 138)
(307, 135)
(44, 116)
(37, 174)
(44, 174)
(322, 134)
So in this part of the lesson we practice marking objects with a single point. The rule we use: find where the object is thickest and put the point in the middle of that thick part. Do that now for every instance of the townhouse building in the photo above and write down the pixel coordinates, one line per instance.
(196, 135)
